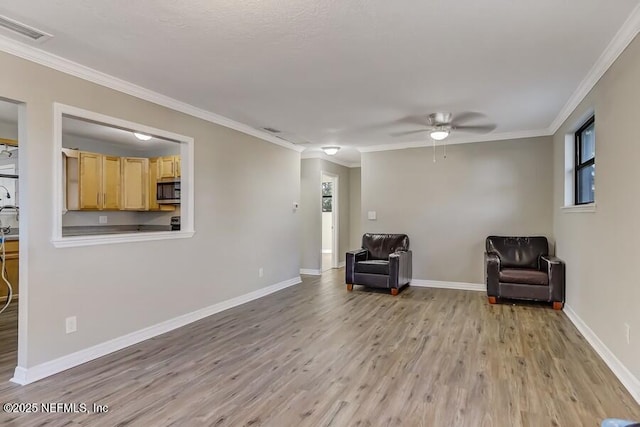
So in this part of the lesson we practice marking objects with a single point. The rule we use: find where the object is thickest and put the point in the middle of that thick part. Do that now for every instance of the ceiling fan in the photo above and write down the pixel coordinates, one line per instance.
(440, 125)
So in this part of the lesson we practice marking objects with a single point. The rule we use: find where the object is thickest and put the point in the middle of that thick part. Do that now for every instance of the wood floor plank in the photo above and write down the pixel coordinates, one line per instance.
(317, 355)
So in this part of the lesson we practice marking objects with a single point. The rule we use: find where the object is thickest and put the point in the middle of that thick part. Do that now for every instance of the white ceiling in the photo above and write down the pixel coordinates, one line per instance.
(342, 72)
(116, 136)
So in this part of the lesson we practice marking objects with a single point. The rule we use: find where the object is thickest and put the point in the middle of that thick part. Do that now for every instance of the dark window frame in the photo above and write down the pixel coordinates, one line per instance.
(328, 198)
(578, 165)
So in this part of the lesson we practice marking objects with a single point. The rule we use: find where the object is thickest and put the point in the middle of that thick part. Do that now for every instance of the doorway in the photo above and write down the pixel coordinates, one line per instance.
(329, 221)
(9, 233)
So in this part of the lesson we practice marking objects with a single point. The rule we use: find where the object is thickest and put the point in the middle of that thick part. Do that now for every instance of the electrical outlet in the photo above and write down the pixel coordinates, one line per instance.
(102, 219)
(627, 332)
(71, 324)
(260, 272)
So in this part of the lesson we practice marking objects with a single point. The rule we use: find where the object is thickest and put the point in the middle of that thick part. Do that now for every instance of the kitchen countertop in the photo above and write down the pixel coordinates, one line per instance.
(92, 230)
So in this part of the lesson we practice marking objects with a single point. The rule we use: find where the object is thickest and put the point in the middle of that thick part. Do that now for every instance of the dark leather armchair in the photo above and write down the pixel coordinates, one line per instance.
(521, 268)
(384, 261)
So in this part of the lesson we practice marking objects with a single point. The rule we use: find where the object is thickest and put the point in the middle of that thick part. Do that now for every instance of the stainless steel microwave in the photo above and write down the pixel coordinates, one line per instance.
(168, 192)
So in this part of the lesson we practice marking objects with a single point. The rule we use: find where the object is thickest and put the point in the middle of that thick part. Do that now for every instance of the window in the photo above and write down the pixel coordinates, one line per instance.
(585, 163)
(327, 196)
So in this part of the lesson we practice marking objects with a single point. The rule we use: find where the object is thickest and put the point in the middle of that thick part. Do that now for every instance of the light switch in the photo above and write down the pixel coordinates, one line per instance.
(371, 215)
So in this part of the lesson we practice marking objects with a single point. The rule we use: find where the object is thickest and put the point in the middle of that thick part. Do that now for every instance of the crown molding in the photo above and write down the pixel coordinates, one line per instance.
(457, 140)
(320, 155)
(66, 66)
(618, 44)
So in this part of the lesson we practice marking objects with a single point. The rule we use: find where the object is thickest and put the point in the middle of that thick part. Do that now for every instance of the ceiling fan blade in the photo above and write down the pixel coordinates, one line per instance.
(477, 128)
(467, 116)
(409, 132)
(419, 120)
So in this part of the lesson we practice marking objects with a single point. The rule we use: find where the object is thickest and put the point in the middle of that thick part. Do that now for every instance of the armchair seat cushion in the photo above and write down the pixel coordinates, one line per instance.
(373, 266)
(523, 276)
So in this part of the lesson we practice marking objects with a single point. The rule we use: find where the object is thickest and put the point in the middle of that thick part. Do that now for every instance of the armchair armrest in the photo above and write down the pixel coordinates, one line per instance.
(400, 268)
(351, 259)
(555, 268)
(492, 273)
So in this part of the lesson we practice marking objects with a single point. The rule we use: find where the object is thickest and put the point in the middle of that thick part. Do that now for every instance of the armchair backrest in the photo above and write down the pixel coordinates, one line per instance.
(380, 246)
(518, 252)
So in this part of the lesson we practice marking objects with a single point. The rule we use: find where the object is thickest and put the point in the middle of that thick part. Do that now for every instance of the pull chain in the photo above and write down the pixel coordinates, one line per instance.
(434, 150)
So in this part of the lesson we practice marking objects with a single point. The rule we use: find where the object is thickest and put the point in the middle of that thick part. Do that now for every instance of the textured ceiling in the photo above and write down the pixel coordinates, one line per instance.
(345, 72)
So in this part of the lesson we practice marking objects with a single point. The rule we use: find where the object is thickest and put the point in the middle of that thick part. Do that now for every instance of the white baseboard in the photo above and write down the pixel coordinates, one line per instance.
(28, 375)
(628, 380)
(327, 251)
(310, 271)
(342, 264)
(480, 287)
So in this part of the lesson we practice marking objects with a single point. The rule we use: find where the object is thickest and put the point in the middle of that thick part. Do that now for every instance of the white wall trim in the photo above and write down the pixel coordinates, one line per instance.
(463, 286)
(28, 375)
(92, 240)
(320, 155)
(628, 380)
(618, 44)
(66, 66)
(457, 140)
(311, 271)
(342, 264)
(327, 251)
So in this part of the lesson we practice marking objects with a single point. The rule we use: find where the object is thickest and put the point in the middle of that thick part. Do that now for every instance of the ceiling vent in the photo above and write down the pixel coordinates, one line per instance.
(23, 30)
(285, 136)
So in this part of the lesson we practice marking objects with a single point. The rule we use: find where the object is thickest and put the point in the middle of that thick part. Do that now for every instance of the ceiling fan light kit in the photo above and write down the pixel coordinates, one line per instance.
(439, 134)
(330, 150)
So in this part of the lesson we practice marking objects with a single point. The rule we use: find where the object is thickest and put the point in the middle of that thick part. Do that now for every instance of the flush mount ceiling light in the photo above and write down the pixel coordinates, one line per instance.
(331, 150)
(439, 133)
(142, 136)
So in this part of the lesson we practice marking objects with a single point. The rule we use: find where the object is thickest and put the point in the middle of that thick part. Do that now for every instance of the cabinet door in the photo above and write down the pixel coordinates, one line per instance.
(177, 163)
(90, 182)
(153, 184)
(166, 167)
(12, 255)
(111, 181)
(135, 183)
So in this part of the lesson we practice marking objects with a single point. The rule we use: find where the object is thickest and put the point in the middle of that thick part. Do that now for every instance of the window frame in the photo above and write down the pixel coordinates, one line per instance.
(578, 165)
(187, 182)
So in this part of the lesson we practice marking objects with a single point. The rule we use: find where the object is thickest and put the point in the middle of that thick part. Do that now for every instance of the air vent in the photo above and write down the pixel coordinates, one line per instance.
(271, 130)
(23, 30)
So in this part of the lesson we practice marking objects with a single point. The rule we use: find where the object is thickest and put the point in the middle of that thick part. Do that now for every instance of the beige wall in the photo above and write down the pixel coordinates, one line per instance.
(448, 208)
(311, 210)
(601, 248)
(355, 231)
(244, 190)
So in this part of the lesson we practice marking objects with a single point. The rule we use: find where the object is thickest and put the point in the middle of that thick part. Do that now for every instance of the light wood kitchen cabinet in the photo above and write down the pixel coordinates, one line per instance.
(93, 181)
(135, 183)
(104, 182)
(169, 167)
(166, 167)
(111, 182)
(90, 181)
(153, 184)
(12, 254)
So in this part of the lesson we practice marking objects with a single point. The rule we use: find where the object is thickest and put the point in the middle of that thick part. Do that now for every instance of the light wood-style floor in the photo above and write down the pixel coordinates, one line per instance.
(316, 355)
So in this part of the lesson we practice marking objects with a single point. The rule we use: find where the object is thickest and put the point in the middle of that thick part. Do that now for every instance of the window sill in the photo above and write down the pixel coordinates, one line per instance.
(75, 241)
(588, 208)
